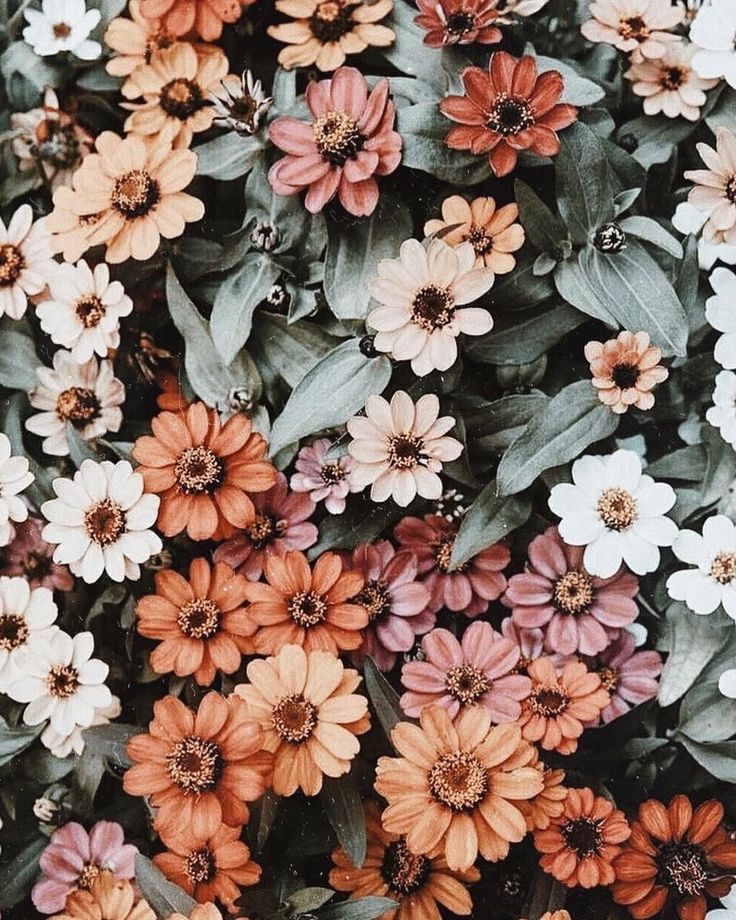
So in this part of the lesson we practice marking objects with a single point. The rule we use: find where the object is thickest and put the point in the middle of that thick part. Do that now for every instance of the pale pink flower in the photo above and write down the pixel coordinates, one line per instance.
(715, 188)
(630, 677)
(325, 479)
(30, 556)
(530, 642)
(641, 27)
(669, 84)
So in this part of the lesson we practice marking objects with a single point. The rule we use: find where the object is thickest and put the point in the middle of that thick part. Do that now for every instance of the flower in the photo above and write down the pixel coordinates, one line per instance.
(630, 677)
(127, 195)
(713, 31)
(198, 768)
(325, 479)
(421, 294)
(511, 8)
(616, 512)
(203, 470)
(539, 811)
(670, 84)
(720, 313)
(239, 103)
(62, 25)
(304, 606)
(280, 525)
(639, 27)
(688, 219)
(324, 32)
(729, 902)
(204, 17)
(25, 260)
(578, 612)
(456, 787)
(201, 622)
(74, 858)
(399, 447)
(135, 41)
(459, 22)
(559, 704)
(477, 672)
(714, 192)
(625, 370)
(15, 477)
(492, 231)
(107, 899)
(25, 615)
(350, 139)
(467, 587)
(62, 744)
(30, 555)
(200, 912)
(530, 642)
(674, 854)
(391, 870)
(712, 583)
(506, 109)
(211, 869)
(579, 845)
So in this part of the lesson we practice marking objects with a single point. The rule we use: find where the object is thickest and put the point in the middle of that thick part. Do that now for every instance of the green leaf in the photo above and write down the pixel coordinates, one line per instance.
(578, 90)
(520, 289)
(707, 715)
(520, 339)
(384, 698)
(544, 229)
(88, 772)
(488, 520)
(237, 297)
(718, 759)
(79, 449)
(644, 228)
(686, 285)
(265, 811)
(306, 900)
(656, 137)
(583, 182)
(18, 361)
(228, 156)
(109, 741)
(357, 909)
(692, 642)
(408, 53)
(288, 350)
(18, 875)
(164, 896)
(15, 739)
(361, 522)
(720, 467)
(495, 425)
(687, 463)
(343, 805)
(573, 286)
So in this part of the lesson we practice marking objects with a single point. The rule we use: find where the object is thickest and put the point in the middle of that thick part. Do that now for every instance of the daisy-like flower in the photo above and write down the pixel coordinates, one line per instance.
(480, 671)
(712, 583)
(63, 744)
(25, 615)
(459, 22)
(324, 32)
(325, 479)
(492, 231)
(421, 295)
(420, 884)
(676, 855)
(625, 370)
(722, 414)
(198, 769)
(713, 31)
(304, 606)
(468, 587)
(688, 219)
(127, 195)
(399, 447)
(26, 261)
(14, 477)
(134, 40)
(349, 141)
(203, 470)
(616, 512)
(555, 712)
(310, 715)
(74, 858)
(630, 677)
(30, 556)
(539, 811)
(670, 84)
(714, 192)
(456, 787)
(101, 521)
(530, 642)
(62, 25)
(642, 28)
(239, 103)
(107, 898)
(720, 313)
(203, 17)
(508, 108)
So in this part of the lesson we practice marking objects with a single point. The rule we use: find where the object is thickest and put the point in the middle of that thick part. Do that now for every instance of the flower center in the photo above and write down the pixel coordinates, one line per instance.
(194, 764)
(633, 27)
(330, 21)
(459, 781)
(609, 679)
(683, 866)
(307, 609)
(198, 470)
(62, 681)
(617, 508)
(672, 78)
(466, 683)
(609, 238)
(199, 619)
(13, 631)
(403, 872)
(624, 375)
(548, 702)
(573, 593)
(337, 138)
(294, 718)
(433, 307)
(12, 264)
(104, 522)
(404, 451)
(509, 115)
(78, 406)
(89, 310)
(583, 835)
(244, 108)
(181, 98)
(200, 866)
(374, 597)
(459, 24)
(480, 240)
(61, 30)
(332, 473)
(443, 555)
(723, 568)
(135, 193)
(88, 876)
(264, 530)
(730, 194)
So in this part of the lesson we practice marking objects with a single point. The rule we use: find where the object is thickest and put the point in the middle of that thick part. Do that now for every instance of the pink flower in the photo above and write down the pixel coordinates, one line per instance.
(73, 860)
(530, 642)
(324, 479)
(30, 556)
(578, 612)
(350, 139)
(280, 525)
(396, 602)
(468, 587)
(630, 677)
(480, 671)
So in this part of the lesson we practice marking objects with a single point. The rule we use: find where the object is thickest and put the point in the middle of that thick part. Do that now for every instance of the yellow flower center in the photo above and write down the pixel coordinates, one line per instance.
(609, 679)
(337, 137)
(374, 597)
(88, 876)
(443, 555)
(404, 451)
(573, 593)
(548, 702)
(264, 530)
(633, 27)
(294, 718)
(332, 473)
(617, 508)
(480, 239)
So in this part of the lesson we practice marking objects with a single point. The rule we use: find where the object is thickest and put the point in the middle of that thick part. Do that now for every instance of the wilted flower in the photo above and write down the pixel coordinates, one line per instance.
(459, 22)
(239, 103)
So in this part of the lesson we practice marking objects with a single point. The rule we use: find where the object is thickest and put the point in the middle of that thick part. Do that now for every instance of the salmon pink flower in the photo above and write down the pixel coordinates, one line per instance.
(203, 17)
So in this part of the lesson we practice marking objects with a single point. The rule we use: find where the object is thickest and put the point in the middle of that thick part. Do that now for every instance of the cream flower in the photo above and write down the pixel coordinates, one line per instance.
(63, 25)
(25, 615)
(63, 744)
(25, 261)
(641, 27)
(722, 414)
(14, 478)
(715, 188)
(135, 41)
(688, 219)
(712, 581)
(670, 84)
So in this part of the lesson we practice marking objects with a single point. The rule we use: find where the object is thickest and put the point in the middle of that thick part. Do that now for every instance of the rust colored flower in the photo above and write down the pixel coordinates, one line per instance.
(625, 370)
(459, 22)
(203, 17)
(506, 109)
(203, 471)
(108, 898)
(673, 859)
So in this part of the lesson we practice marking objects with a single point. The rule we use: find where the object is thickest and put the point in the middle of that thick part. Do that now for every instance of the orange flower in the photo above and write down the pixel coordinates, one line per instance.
(135, 41)
(549, 804)
(203, 471)
(204, 17)
(554, 712)
(581, 843)
(171, 396)
(309, 714)
(306, 607)
(108, 899)
(625, 369)
(205, 912)
(211, 869)
(202, 622)
(458, 785)
(199, 769)
(391, 870)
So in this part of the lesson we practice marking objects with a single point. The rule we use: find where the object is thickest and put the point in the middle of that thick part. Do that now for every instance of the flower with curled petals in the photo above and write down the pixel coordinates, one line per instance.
(459, 22)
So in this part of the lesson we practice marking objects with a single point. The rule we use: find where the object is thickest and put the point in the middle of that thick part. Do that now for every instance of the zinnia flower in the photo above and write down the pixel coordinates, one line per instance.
(15, 477)
(134, 42)
(107, 899)
(62, 744)
(350, 139)
(640, 27)
(670, 84)
(625, 370)
(203, 17)
(530, 642)
(324, 479)
(722, 414)
(62, 25)
(506, 109)
(715, 188)
(26, 260)
(459, 22)
(630, 677)
(720, 314)
(310, 715)
(713, 34)
(25, 614)
(539, 811)
(712, 583)
(30, 555)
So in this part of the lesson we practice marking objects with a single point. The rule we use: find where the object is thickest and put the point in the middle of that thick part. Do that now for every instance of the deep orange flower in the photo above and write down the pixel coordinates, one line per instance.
(309, 607)
(203, 471)
(108, 898)
(674, 858)
(549, 804)
(204, 17)
(625, 370)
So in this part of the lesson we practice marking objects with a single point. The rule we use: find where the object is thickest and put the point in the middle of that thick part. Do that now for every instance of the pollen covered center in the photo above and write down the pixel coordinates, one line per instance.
(573, 593)
(466, 683)
(459, 781)
(337, 137)
(294, 718)
(198, 470)
(617, 508)
(104, 522)
(195, 764)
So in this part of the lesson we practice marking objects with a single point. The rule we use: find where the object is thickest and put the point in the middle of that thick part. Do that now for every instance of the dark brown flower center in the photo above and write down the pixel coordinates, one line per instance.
(294, 718)
(88, 876)
(730, 190)
(459, 781)
(337, 137)
(104, 522)
(583, 835)
(617, 508)
(181, 98)
(375, 598)
(62, 681)
(61, 30)
(723, 568)
(683, 867)
(264, 530)
(466, 683)
(573, 593)
(57, 144)
(633, 27)
(548, 702)
(460, 23)
(625, 375)
(403, 872)
(199, 866)
(509, 115)
(331, 20)
(135, 193)
(332, 473)
(90, 310)
(609, 679)
(443, 555)
(195, 764)
(404, 451)
(199, 618)
(13, 631)
(198, 470)
(12, 264)
(307, 609)
(78, 406)
(672, 78)
(432, 308)
(480, 240)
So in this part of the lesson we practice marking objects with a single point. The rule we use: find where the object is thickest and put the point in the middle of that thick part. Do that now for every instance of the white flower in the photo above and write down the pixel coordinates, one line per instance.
(25, 261)
(25, 614)
(616, 512)
(101, 521)
(727, 687)
(62, 745)
(689, 219)
(61, 682)
(729, 901)
(722, 415)
(14, 478)
(420, 293)
(712, 583)
(240, 103)
(714, 30)
(84, 309)
(720, 311)
(63, 25)
(87, 395)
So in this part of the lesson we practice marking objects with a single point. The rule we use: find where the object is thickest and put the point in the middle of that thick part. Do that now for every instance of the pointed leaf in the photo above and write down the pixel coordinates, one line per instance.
(164, 896)
(490, 518)
(384, 698)
(343, 805)
(584, 193)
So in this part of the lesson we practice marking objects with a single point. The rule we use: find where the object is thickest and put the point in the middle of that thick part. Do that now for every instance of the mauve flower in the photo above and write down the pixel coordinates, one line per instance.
(630, 677)
(530, 642)
(350, 139)
(479, 671)
(468, 587)
(324, 479)
(30, 556)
